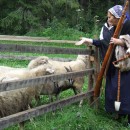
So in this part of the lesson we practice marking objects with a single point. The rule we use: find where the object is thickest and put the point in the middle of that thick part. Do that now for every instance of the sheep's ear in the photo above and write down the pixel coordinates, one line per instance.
(43, 61)
(70, 69)
(87, 56)
(49, 70)
(67, 69)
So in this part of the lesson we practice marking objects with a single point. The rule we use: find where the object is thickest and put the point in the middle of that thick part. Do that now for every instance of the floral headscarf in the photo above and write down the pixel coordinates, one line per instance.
(116, 11)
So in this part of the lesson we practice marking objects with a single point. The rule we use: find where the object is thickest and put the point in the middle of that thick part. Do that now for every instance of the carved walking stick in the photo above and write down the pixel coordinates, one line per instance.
(118, 103)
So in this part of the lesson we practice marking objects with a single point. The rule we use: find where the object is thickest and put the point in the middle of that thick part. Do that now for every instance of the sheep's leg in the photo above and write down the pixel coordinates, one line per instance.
(37, 98)
(21, 126)
(75, 92)
(74, 89)
(50, 98)
(31, 119)
(81, 101)
(57, 97)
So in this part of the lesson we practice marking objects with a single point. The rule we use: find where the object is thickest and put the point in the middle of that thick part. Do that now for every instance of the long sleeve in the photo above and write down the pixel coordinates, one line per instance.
(96, 42)
(105, 36)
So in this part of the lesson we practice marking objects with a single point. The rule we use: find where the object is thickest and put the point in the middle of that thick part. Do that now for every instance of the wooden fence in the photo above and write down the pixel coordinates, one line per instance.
(25, 115)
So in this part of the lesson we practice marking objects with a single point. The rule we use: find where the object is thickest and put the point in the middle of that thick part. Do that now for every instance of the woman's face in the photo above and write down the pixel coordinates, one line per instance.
(112, 20)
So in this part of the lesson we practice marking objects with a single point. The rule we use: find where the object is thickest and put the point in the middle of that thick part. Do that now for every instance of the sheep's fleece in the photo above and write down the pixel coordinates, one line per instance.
(81, 63)
(120, 52)
(18, 100)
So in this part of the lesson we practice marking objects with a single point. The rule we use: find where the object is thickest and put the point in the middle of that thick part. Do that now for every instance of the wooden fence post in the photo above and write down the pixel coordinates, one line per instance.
(90, 77)
(96, 72)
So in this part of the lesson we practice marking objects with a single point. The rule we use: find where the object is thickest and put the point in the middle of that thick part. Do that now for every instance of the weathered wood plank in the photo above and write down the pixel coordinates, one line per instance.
(2, 56)
(38, 40)
(33, 39)
(90, 78)
(25, 115)
(6, 86)
(42, 49)
(11, 37)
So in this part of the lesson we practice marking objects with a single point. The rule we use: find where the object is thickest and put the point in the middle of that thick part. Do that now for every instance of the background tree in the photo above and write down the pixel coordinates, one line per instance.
(22, 16)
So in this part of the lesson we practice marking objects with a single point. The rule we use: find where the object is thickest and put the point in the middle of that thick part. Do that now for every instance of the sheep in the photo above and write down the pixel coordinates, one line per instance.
(54, 88)
(18, 100)
(38, 61)
(4, 69)
(27, 73)
(81, 63)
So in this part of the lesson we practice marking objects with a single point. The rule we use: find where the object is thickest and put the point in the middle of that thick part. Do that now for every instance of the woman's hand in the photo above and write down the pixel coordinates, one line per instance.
(84, 40)
(117, 41)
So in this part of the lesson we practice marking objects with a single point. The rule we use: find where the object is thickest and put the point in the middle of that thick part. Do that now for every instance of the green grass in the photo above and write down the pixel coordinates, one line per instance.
(74, 118)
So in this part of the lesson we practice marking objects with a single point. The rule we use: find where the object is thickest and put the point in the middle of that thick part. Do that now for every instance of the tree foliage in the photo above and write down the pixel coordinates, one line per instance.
(22, 16)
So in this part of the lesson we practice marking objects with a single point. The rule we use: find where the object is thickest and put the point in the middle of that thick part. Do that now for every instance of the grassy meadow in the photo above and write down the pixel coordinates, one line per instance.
(71, 117)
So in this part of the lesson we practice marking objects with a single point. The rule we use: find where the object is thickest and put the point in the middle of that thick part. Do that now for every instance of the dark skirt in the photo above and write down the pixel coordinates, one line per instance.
(111, 91)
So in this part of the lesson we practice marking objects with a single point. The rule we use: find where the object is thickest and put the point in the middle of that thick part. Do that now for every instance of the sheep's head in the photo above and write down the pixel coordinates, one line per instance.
(71, 81)
(42, 60)
(83, 57)
(43, 70)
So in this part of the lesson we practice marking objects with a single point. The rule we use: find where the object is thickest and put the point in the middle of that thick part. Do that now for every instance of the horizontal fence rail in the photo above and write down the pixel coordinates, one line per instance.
(3, 56)
(6, 86)
(33, 39)
(25, 115)
(21, 38)
(42, 49)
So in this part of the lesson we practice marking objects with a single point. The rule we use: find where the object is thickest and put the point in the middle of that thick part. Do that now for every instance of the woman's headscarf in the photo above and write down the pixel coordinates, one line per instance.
(116, 11)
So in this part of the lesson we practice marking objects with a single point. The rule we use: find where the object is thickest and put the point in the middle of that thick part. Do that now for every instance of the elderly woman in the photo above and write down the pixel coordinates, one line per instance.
(123, 42)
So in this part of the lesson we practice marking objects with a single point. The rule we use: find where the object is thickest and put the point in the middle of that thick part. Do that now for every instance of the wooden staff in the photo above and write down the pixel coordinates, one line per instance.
(108, 53)
(117, 102)
(119, 83)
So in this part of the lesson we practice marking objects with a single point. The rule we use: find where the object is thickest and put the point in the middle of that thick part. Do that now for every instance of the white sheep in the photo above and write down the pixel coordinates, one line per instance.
(41, 60)
(81, 63)
(18, 100)
(4, 69)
